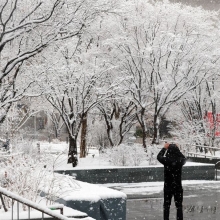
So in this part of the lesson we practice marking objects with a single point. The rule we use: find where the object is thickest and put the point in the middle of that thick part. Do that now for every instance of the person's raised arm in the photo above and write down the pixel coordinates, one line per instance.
(162, 158)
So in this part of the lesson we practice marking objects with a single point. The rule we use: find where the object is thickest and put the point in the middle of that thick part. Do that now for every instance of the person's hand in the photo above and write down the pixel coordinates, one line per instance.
(166, 145)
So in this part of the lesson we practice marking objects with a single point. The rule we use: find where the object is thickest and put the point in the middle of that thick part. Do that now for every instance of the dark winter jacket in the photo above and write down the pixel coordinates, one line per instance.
(173, 160)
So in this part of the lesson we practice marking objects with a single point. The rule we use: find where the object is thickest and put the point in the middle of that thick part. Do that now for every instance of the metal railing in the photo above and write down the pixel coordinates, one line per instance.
(20, 200)
(193, 154)
(199, 149)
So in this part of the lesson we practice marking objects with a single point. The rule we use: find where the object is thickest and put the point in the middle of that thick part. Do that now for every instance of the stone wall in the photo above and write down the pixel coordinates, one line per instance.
(142, 174)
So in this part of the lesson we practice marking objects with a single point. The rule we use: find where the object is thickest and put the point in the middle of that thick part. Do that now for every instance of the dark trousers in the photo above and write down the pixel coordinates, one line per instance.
(178, 199)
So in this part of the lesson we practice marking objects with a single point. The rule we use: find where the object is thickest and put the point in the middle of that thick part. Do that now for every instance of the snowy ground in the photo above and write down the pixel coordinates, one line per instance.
(134, 191)
(145, 200)
(94, 159)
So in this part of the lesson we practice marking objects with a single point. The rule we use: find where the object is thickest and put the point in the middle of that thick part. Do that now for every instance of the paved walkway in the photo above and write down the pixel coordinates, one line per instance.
(201, 202)
(151, 209)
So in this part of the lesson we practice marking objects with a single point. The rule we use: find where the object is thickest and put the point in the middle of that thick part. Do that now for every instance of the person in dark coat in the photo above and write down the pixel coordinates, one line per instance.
(173, 160)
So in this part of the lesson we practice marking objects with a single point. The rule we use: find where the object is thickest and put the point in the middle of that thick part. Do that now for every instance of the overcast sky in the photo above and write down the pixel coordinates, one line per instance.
(207, 4)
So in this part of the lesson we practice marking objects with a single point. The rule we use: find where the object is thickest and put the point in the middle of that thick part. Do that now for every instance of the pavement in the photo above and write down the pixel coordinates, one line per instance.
(151, 209)
(201, 201)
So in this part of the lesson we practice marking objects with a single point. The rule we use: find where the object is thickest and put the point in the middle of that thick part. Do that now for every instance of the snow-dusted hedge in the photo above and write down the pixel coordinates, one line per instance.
(152, 152)
(126, 155)
(27, 168)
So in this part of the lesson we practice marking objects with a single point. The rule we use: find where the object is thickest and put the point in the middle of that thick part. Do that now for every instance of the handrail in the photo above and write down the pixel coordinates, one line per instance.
(56, 207)
(198, 154)
(212, 148)
(30, 204)
(204, 155)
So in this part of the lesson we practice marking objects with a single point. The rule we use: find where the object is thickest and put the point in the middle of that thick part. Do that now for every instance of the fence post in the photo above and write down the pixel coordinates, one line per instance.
(217, 167)
(3, 203)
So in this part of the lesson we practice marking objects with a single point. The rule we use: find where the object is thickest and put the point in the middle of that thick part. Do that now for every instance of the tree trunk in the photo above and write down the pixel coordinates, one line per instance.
(109, 133)
(72, 155)
(144, 137)
(144, 128)
(55, 131)
(214, 126)
(156, 130)
(142, 123)
(83, 137)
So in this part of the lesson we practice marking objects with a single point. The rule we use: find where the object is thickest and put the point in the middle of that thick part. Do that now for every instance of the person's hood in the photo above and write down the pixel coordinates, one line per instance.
(173, 150)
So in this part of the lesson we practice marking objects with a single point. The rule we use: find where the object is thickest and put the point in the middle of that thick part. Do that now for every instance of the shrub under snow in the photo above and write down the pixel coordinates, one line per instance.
(126, 155)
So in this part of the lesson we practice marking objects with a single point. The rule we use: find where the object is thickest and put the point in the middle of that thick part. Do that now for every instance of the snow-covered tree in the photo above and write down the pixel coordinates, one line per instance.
(200, 109)
(26, 29)
(119, 116)
(22, 25)
(74, 89)
(167, 51)
(75, 77)
(57, 122)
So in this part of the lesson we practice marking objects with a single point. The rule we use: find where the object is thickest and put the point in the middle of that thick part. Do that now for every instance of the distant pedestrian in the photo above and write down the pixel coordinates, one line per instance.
(173, 160)
(6, 145)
